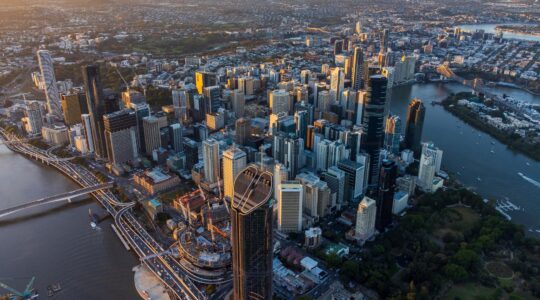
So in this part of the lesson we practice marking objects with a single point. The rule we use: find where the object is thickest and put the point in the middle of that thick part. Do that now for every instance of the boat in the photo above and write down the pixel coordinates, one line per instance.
(478, 178)
(492, 151)
(52, 289)
(527, 163)
(93, 225)
(493, 143)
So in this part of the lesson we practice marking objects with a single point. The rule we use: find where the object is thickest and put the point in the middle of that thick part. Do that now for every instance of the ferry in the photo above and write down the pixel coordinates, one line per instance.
(52, 289)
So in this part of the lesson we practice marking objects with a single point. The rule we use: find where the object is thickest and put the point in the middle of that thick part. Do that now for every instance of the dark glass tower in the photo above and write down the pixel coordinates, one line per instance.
(96, 107)
(251, 234)
(357, 69)
(415, 123)
(373, 123)
(385, 197)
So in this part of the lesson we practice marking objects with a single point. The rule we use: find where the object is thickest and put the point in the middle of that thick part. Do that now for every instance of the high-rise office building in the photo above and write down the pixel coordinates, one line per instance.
(279, 101)
(335, 178)
(336, 153)
(73, 106)
(358, 69)
(211, 160)
(289, 201)
(373, 124)
(251, 234)
(95, 101)
(204, 79)
(180, 100)
(176, 137)
(49, 79)
(365, 219)
(35, 119)
(385, 198)
(238, 101)
(152, 136)
(121, 136)
(415, 124)
(301, 119)
(392, 134)
(430, 164)
(354, 179)
(385, 35)
(243, 131)
(234, 161)
(280, 175)
(337, 83)
(87, 128)
(288, 151)
(322, 155)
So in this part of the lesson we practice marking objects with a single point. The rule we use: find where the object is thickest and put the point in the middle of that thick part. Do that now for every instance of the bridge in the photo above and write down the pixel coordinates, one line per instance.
(165, 267)
(56, 198)
(477, 85)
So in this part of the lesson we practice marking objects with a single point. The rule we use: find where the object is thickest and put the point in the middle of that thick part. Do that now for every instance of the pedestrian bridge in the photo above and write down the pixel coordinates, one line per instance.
(57, 198)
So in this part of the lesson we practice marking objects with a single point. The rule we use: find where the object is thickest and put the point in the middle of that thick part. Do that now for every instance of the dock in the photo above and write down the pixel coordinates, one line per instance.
(120, 237)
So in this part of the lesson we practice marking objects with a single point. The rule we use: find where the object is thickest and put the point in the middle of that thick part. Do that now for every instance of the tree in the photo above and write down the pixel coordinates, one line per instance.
(454, 272)
(466, 258)
(333, 260)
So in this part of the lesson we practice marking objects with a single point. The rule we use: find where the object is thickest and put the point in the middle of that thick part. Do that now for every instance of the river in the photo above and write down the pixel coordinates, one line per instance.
(55, 243)
(490, 28)
(467, 151)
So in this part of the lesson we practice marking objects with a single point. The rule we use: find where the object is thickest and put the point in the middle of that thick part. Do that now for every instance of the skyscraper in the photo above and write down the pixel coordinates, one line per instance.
(176, 137)
(35, 119)
(87, 126)
(335, 178)
(251, 234)
(385, 197)
(211, 160)
(365, 219)
(337, 82)
(238, 101)
(96, 107)
(430, 164)
(301, 119)
(51, 90)
(243, 131)
(392, 134)
(121, 136)
(415, 124)
(152, 137)
(384, 40)
(354, 179)
(73, 106)
(204, 79)
(357, 69)
(234, 161)
(373, 125)
(289, 201)
(279, 101)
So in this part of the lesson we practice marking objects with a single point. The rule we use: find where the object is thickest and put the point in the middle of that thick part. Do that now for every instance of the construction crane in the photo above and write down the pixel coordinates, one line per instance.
(28, 293)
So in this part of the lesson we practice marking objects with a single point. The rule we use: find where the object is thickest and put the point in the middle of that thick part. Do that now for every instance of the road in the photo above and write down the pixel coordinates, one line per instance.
(166, 268)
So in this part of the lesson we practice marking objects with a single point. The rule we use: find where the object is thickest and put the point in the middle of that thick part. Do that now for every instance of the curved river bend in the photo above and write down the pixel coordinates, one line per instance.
(56, 244)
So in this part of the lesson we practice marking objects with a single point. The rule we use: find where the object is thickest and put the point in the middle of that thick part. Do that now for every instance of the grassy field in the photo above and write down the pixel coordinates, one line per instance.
(499, 269)
(470, 291)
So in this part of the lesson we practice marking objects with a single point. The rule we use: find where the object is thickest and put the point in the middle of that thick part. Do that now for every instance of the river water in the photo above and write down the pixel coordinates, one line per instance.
(467, 151)
(490, 28)
(56, 243)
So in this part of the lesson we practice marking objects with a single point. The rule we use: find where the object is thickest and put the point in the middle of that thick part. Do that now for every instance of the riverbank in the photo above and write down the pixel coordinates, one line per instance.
(511, 140)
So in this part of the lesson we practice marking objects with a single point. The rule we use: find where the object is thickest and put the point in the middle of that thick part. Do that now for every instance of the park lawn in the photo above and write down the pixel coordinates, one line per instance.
(499, 269)
(469, 291)
(463, 218)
